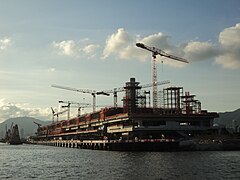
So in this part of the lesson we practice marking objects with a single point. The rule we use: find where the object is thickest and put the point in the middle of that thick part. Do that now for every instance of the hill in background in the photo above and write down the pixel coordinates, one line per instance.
(229, 119)
(26, 126)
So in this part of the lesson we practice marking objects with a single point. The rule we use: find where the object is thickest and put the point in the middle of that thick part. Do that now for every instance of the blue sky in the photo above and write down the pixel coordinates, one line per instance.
(91, 45)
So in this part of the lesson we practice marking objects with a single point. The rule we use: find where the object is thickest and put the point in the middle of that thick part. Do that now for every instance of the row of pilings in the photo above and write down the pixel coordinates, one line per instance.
(115, 145)
(141, 145)
(85, 144)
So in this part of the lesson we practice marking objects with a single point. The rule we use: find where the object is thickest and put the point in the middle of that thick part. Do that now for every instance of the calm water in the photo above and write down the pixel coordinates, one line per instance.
(45, 162)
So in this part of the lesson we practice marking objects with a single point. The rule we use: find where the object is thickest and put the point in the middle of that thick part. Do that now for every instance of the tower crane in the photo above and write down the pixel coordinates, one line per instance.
(106, 92)
(79, 106)
(92, 92)
(56, 114)
(155, 51)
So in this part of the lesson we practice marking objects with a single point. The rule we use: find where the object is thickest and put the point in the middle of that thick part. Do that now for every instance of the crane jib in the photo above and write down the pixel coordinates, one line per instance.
(160, 52)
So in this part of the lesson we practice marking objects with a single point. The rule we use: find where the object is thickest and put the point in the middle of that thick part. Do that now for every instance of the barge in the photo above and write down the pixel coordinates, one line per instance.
(134, 126)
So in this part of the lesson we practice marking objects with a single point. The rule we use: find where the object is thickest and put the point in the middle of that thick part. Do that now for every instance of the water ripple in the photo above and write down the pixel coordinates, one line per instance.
(44, 162)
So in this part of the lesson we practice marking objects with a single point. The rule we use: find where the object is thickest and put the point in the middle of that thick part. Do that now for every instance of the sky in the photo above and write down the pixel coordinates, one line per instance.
(91, 45)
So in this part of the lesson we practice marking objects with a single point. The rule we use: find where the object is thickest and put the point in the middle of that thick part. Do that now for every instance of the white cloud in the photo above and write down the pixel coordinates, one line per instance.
(229, 40)
(116, 43)
(68, 47)
(76, 49)
(11, 110)
(157, 40)
(90, 49)
(229, 60)
(4, 43)
(197, 51)
(132, 52)
(229, 37)
(122, 45)
(226, 53)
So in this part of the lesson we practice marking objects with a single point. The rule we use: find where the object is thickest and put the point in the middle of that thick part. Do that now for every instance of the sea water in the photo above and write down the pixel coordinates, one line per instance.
(47, 162)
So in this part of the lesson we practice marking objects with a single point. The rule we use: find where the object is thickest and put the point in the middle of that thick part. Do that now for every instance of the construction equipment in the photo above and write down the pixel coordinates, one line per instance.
(92, 92)
(79, 106)
(106, 92)
(155, 51)
(121, 89)
(57, 114)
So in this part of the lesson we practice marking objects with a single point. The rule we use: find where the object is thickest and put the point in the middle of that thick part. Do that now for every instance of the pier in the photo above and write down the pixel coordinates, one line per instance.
(117, 145)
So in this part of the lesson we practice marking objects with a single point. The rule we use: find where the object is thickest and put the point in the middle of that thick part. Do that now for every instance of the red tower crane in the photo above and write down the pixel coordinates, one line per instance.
(155, 51)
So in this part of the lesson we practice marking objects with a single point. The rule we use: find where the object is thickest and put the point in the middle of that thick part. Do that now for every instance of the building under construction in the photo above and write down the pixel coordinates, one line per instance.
(135, 125)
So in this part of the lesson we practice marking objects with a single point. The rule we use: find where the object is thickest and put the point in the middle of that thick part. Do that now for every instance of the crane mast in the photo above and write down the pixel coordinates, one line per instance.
(155, 51)
(154, 79)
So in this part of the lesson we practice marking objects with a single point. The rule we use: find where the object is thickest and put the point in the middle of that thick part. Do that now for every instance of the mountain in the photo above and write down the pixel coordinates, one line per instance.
(229, 119)
(26, 126)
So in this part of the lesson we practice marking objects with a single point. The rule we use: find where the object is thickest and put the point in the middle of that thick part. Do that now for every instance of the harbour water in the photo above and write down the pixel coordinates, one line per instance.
(47, 162)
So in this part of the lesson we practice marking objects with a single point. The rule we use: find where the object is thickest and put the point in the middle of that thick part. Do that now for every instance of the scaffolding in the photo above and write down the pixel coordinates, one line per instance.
(190, 105)
(172, 99)
(160, 99)
(130, 101)
(142, 99)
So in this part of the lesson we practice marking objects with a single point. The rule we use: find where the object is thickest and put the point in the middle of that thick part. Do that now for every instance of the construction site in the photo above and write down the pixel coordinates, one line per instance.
(140, 123)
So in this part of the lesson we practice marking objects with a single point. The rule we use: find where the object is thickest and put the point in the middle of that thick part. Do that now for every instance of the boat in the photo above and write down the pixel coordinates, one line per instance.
(12, 135)
(135, 126)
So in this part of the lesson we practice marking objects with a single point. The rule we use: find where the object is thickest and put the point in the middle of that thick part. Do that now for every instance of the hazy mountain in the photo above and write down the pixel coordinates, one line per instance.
(228, 118)
(26, 125)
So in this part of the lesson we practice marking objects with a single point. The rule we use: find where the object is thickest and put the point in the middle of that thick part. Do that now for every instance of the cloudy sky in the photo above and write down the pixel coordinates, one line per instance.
(91, 45)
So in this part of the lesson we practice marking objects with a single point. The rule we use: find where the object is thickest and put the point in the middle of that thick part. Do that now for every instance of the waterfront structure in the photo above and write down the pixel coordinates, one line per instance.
(134, 126)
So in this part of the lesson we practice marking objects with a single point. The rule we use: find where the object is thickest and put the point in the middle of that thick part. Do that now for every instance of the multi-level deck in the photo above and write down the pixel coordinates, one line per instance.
(133, 126)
